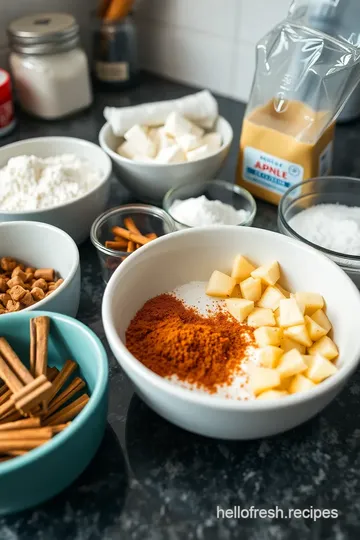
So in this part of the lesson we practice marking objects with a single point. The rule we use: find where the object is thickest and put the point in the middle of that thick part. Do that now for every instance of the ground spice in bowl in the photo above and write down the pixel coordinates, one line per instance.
(171, 338)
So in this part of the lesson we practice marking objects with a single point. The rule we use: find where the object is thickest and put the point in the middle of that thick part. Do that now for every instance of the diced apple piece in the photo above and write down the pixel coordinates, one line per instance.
(282, 290)
(285, 384)
(311, 301)
(300, 304)
(241, 269)
(320, 368)
(261, 379)
(290, 313)
(267, 335)
(269, 356)
(291, 363)
(239, 308)
(299, 334)
(269, 273)
(299, 383)
(321, 319)
(273, 394)
(251, 289)
(236, 292)
(271, 298)
(261, 317)
(326, 347)
(308, 359)
(314, 329)
(287, 344)
(220, 285)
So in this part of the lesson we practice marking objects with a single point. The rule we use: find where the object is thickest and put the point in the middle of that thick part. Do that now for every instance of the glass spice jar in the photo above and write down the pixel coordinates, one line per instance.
(115, 55)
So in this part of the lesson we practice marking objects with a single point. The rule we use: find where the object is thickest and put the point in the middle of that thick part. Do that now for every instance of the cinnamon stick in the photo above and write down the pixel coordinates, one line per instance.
(42, 327)
(130, 225)
(66, 371)
(13, 361)
(117, 246)
(33, 394)
(124, 233)
(20, 444)
(67, 413)
(21, 424)
(3, 389)
(7, 408)
(60, 427)
(121, 241)
(16, 453)
(74, 387)
(25, 434)
(5, 396)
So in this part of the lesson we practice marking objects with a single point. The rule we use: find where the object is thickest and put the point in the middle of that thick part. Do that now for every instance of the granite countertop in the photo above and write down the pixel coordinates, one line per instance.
(153, 481)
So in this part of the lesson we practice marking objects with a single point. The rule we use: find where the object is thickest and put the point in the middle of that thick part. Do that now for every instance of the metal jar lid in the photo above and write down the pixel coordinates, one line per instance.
(44, 33)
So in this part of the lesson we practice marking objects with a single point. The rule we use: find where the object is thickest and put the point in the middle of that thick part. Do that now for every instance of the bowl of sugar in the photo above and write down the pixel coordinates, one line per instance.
(324, 213)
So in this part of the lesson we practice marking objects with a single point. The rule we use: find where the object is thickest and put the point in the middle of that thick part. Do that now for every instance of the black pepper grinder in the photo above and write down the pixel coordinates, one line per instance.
(115, 56)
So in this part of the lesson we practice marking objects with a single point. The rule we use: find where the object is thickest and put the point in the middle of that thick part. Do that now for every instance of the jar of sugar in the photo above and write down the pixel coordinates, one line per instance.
(49, 68)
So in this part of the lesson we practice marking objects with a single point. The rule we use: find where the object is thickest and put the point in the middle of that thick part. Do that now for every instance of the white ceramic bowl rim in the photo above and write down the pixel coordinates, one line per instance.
(88, 410)
(67, 279)
(120, 158)
(221, 183)
(104, 176)
(208, 400)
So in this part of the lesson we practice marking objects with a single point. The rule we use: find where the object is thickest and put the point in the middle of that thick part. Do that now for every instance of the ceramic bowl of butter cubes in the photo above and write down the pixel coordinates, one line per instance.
(267, 267)
(150, 161)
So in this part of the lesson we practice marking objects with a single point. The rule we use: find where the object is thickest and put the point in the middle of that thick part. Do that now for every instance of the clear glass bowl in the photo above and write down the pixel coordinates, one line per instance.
(227, 193)
(323, 190)
(148, 219)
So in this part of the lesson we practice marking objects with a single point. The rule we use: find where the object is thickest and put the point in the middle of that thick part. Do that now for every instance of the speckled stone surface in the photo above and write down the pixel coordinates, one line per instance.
(153, 481)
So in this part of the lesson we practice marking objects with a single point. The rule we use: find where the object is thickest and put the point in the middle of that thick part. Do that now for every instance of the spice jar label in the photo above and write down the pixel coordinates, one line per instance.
(112, 71)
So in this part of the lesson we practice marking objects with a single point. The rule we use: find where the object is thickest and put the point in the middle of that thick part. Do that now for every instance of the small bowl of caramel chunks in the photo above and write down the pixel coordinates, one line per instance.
(22, 286)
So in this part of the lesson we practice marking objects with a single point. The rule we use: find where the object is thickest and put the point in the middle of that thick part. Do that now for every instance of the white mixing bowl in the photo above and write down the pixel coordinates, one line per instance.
(74, 217)
(151, 181)
(192, 255)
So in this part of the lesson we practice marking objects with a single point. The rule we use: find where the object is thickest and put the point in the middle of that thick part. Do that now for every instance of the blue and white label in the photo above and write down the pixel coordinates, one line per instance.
(270, 172)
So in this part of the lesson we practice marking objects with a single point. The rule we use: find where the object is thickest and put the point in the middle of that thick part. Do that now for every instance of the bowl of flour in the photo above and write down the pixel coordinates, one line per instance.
(61, 181)
(324, 213)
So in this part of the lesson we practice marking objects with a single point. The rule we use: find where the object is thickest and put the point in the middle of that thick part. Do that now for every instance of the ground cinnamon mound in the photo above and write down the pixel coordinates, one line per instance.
(173, 339)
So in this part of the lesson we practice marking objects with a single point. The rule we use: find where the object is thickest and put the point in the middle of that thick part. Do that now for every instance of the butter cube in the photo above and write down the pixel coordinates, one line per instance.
(269, 356)
(189, 142)
(262, 379)
(321, 319)
(126, 150)
(315, 331)
(311, 301)
(320, 368)
(326, 347)
(290, 313)
(242, 268)
(268, 335)
(271, 298)
(160, 138)
(269, 273)
(140, 141)
(171, 154)
(299, 383)
(287, 344)
(251, 289)
(282, 290)
(177, 125)
(272, 394)
(299, 333)
(291, 363)
(220, 285)
(261, 317)
(239, 308)
(213, 140)
(199, 153)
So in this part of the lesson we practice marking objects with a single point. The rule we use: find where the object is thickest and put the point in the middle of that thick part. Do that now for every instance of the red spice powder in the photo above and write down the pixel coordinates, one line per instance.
(171, 338)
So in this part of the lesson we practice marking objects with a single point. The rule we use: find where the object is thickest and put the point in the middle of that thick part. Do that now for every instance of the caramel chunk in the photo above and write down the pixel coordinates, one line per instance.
(37, 294)
(17, 292)
(8, 264)
(46, 273)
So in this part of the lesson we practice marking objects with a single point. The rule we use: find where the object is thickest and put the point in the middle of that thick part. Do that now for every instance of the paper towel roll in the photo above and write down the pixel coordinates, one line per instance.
(201, 108)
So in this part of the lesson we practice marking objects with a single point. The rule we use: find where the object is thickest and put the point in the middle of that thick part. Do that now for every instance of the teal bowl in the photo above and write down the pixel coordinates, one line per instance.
(35, 477)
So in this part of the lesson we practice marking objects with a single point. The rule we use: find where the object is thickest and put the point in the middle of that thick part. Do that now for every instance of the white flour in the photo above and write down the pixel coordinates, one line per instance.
(193, 295)
(32, 183)
(331, 226)
(201, 212)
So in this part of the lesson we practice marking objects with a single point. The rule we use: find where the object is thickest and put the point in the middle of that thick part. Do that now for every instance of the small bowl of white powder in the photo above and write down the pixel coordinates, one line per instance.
(212, 203)
(324, 213)
(61, 181)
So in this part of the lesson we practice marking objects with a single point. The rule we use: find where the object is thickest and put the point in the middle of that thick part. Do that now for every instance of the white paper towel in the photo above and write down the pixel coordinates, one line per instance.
(200, 108)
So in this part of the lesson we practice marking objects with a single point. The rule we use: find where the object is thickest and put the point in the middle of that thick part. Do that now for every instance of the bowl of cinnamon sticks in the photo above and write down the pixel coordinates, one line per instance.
(121, 231)
(53, 405)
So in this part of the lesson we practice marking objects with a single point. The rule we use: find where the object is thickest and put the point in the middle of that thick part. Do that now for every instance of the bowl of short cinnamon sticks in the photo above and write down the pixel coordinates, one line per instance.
(53, 405)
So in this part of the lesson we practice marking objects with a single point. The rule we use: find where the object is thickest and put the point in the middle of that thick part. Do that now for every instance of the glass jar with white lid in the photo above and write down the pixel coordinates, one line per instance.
(50, 70)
